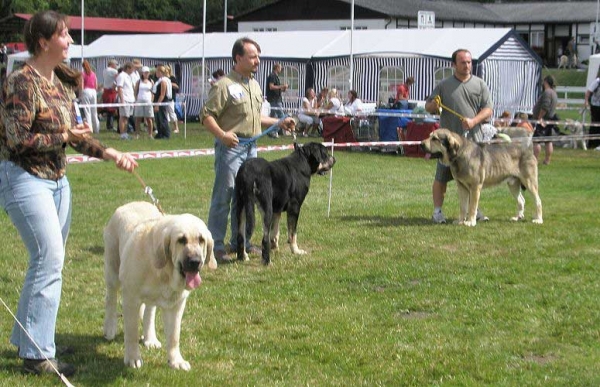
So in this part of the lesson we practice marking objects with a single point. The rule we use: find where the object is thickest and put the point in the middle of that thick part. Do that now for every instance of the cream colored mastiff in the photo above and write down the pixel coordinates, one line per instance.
(156, 260)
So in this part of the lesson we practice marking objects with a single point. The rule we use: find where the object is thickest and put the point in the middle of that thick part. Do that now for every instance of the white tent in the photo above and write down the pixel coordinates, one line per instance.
(500, 56)
(593, 66)
(20, 57)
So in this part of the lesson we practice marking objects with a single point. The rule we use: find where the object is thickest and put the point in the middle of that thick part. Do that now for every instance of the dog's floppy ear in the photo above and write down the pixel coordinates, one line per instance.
(162, 248)
(208, 248)
(452, 144)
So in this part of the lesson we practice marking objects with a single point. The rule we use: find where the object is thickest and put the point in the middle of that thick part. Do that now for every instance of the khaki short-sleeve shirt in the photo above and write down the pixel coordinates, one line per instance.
(235, 102)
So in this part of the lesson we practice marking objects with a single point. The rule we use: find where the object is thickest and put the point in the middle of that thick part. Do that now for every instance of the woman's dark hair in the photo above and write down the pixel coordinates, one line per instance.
(238, 47)
(550, 81)
(45, 24)
(218, 73)
(354, 94)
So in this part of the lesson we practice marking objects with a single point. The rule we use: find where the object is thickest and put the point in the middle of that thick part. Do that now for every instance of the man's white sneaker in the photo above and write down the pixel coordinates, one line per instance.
(439, 218)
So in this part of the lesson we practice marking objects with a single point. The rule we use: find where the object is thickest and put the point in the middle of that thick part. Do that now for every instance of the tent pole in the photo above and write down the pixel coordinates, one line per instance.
(225, 16)
(203, 77)
(352, 46)
(82, 28)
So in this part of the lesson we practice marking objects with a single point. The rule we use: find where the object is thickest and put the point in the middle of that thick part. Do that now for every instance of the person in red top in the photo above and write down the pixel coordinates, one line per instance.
(88, 96)
(403, 92)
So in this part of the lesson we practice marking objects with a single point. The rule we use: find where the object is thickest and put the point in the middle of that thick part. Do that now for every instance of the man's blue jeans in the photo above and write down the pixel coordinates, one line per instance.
(40, 209)
(227, 163)
(277, 109)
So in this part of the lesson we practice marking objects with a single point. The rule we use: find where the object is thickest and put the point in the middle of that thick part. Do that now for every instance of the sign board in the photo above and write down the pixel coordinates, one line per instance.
(425, 19)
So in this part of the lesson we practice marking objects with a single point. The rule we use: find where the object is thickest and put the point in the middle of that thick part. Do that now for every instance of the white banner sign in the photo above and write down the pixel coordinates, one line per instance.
(426, 19)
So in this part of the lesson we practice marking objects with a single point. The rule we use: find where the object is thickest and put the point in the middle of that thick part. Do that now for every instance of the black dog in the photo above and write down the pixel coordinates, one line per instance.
(276, 186)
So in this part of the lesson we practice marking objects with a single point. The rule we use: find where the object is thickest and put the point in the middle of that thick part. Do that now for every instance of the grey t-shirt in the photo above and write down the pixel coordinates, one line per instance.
(466, 98)
(547, 101)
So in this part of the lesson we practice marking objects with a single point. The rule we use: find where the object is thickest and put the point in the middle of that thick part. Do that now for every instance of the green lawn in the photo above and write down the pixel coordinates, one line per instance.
(384, 296)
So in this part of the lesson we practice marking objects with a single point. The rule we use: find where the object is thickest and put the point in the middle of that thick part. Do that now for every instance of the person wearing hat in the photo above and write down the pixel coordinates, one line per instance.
(143, 95)
(135, 77)
(109, 94)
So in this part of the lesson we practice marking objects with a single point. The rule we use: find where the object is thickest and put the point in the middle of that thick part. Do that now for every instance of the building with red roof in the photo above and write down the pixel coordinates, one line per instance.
(95, 27)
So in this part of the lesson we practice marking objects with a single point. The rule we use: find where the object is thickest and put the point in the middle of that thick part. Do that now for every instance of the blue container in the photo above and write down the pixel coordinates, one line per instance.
(388, 124)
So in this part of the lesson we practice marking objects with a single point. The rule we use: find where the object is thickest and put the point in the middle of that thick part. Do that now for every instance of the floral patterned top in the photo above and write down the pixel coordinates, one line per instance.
(34, 115)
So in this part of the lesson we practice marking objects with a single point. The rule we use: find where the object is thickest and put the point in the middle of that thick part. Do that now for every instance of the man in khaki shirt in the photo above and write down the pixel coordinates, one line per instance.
(231, 112)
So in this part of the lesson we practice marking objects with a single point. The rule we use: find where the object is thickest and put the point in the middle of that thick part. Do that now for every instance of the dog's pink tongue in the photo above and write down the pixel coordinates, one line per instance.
(192, 280)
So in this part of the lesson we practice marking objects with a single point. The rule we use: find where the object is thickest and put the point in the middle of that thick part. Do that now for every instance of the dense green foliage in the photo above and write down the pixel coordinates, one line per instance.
(384, 296)
(187, 11)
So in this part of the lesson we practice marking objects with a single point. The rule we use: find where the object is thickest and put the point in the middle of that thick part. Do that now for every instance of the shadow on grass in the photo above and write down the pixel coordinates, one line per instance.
(94, 367)
(387, 221)
(96, 250)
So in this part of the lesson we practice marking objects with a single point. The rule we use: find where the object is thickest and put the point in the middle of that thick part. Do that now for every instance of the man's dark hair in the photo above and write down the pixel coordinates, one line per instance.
(455, 53)
(238, 47)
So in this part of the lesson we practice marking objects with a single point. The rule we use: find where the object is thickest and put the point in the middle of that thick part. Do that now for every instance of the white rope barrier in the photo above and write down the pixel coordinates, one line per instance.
(168, 154)
(435, 117)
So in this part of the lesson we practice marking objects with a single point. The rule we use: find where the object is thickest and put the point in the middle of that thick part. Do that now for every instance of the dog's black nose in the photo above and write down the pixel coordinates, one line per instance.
(191, 264)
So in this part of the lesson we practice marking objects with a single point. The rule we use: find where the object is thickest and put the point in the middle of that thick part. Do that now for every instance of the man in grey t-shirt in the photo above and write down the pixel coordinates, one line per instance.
(469, 96)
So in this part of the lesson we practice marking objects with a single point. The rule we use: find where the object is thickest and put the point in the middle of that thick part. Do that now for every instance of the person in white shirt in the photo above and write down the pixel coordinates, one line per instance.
(354, 104)
(309, 114)
(126, 96)
(143, 92)
(334, 106)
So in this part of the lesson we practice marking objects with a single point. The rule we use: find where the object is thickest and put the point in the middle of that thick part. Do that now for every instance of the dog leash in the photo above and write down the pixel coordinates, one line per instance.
(148, 191)
(62, 377)
(438, 100)
(248, 141)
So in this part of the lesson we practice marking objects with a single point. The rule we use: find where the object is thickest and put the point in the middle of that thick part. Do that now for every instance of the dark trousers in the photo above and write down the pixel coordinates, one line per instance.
(162, 123)
(595, 130)
(110, 117)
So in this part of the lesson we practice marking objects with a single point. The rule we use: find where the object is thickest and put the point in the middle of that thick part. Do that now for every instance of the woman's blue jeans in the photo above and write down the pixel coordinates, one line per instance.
(40, 209)
(227, 163)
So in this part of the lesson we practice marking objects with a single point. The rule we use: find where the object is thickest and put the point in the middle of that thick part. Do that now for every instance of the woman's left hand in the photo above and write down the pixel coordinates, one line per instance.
(123, 161)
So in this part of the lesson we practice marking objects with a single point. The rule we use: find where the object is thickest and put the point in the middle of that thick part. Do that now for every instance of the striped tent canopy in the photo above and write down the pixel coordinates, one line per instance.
(501, 58)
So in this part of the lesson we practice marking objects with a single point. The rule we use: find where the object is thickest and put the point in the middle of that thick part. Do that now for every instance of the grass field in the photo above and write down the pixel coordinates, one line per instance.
(384, 296)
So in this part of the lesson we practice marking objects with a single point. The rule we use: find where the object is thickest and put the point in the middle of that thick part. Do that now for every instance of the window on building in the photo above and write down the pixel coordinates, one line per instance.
(389, 80)
(198, 74)
(290, 75)
(264, 29)
(338, 77)
(537, 40)
(442, 73)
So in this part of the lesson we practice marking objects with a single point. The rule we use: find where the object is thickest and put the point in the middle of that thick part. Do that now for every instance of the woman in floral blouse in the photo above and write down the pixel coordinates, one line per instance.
(37, 123)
